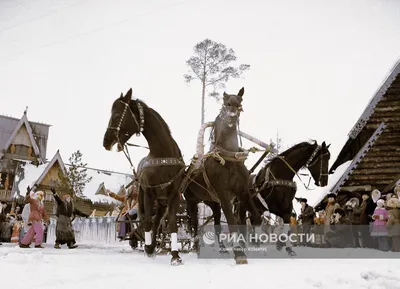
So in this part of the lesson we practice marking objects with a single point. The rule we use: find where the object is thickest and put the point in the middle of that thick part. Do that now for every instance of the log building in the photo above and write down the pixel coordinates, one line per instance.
(373, 145)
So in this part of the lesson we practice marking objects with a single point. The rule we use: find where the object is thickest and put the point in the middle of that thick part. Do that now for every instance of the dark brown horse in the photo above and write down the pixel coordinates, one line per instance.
(159, 174)
(223, 176)
(273, 187)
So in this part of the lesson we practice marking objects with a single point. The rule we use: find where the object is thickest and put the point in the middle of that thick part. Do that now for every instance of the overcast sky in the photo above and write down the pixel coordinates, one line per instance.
(314, 66)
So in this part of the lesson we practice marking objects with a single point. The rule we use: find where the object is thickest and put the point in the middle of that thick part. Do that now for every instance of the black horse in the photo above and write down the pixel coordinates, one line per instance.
(273, 187)
(159, 174)
(223, 175)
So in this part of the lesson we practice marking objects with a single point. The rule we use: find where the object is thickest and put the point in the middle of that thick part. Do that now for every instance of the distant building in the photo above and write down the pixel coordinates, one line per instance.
(23, 163)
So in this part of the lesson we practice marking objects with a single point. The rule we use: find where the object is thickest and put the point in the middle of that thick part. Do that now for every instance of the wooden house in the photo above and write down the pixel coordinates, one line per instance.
(373, 146)
(21, 141)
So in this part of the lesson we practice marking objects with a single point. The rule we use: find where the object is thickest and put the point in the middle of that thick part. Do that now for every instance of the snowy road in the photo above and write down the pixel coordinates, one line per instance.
(117, 266)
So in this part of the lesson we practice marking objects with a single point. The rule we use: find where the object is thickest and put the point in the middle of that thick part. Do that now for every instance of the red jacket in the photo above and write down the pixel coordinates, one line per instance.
(38, 212)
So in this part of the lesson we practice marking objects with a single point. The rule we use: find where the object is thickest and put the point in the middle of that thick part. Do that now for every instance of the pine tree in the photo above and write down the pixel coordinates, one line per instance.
(212, 64)
(77, 174)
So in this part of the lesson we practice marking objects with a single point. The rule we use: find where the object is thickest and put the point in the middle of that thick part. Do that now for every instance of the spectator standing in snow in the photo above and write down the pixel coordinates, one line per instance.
(307, 217)
(393, 223)
(64, 231)
(367, 208)
(36, 217)
(379, 228)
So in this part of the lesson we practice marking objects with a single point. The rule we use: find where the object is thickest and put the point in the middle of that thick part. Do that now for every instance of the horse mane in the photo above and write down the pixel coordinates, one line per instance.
(290, 150)
(160, 119)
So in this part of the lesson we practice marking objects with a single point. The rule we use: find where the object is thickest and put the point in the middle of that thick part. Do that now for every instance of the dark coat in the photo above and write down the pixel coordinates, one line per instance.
(341, 234)
(67, 209)
(367, 210)
(307, 215)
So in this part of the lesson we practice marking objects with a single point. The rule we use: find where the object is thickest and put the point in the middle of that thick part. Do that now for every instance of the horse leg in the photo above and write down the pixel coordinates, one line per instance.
(216, 209)
(156, 223)
(173, 228)
(240, 256)
(147, 222)
(192, 211)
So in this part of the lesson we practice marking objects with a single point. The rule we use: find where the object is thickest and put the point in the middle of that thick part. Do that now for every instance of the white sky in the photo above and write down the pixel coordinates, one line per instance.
(314, 66)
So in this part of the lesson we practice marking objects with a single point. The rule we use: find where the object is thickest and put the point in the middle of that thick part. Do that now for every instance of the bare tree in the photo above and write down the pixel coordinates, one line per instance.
(212, 64)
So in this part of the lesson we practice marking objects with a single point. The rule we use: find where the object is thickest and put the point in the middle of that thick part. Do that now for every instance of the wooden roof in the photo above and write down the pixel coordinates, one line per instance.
(374, 142)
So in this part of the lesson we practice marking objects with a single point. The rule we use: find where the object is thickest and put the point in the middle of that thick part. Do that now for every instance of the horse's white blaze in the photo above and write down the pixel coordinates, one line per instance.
(147, 238)
(174, 242)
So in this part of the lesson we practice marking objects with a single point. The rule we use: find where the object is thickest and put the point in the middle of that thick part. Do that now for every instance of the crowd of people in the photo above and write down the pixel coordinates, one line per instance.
(30, 226)
(372, 223)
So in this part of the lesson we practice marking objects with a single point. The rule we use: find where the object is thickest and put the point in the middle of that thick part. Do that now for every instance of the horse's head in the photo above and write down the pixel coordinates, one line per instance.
(232, 107)
(126, 119)
(318, 164)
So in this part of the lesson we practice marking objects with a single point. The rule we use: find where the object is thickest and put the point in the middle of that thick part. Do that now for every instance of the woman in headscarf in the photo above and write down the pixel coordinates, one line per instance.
(36, 217)
(65, 210)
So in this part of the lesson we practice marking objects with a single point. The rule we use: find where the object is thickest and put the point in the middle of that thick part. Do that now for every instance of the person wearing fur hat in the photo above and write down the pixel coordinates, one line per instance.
(393, 223)
(330, 208)
(353, 212)
(36, 216)
(340, 235)
(65, 210)
(379, 229)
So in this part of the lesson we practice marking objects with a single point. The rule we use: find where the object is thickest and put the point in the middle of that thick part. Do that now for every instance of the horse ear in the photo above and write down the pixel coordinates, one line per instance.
(225, 98)
(128, 95)
(241, 92)
(121, 96)
(327, 147)
(324, 145)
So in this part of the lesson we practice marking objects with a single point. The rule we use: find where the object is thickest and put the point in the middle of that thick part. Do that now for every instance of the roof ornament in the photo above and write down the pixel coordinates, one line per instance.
(26, 110)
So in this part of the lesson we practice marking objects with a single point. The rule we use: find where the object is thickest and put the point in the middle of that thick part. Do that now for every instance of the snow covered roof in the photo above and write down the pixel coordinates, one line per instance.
(316, 195)
(369, 110)
(56, 158)
(31, 174)
(112, 182)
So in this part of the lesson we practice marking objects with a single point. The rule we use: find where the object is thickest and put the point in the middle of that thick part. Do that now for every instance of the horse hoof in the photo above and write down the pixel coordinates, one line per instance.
(290, 252)
(240, 260)
(176, 261)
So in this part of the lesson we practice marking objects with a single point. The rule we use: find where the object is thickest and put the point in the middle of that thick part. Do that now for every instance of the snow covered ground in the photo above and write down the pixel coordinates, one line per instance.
(117, 266)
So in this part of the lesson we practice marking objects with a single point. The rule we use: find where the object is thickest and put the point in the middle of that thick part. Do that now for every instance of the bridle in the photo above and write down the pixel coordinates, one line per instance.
(139, 124)
(311, 162)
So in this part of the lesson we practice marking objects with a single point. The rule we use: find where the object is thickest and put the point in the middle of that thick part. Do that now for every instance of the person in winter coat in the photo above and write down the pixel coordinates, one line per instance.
(130, 209)
(65, 210)
(293, 229)
(330, 208)
(16, 231)
(393, 223)
(36, 217)
(306, 216)
(379, 228)
(340, 235)
(353, 212)
(367, 208)
(319, 230)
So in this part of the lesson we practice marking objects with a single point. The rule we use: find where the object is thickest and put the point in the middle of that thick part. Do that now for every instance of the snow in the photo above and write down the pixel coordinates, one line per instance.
(31, 175)
(117, 266)
(112, 182)
(316, 194)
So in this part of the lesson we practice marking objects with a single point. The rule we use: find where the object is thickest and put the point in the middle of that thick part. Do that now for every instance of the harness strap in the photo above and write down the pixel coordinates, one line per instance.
(263, 202)
(211, 191)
